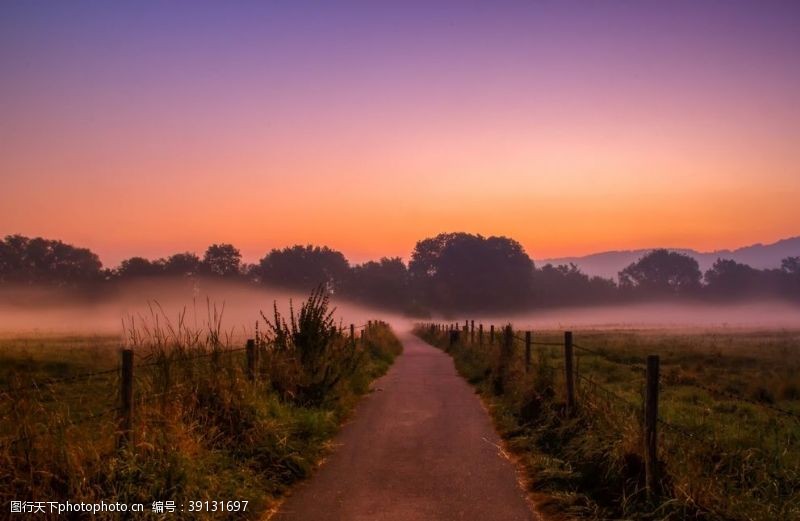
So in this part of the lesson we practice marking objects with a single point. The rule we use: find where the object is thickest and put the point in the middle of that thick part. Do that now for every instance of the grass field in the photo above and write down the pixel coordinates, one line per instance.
(729, 412)
(202, 430)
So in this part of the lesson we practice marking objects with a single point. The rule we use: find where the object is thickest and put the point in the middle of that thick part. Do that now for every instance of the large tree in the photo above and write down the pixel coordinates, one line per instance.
(304, 267)
(223, 260)
(461, 272)
(660, 273)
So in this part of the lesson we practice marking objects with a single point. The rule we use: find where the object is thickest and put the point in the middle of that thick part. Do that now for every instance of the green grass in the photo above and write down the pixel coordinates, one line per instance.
(31, 358)
(725, 454)
(202, 430)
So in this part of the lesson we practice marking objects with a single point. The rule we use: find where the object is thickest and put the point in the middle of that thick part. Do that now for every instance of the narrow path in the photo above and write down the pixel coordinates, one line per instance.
(421, 447)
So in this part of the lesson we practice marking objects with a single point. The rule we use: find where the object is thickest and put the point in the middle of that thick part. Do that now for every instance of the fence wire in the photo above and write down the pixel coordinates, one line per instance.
(141, 398)
(607, 358)
(609, 394)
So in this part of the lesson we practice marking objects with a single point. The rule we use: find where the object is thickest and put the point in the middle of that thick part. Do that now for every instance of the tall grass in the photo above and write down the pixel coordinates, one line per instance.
(725, 452)
(202, 431)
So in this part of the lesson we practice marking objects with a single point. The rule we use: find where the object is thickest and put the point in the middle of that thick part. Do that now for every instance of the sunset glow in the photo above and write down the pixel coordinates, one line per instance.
(573, 129)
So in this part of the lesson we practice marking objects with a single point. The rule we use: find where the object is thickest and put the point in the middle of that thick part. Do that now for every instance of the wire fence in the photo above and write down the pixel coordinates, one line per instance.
(74, 400)
(637, 395)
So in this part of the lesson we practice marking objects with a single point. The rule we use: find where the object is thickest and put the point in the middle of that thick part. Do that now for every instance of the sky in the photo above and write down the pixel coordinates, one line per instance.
(148, 128)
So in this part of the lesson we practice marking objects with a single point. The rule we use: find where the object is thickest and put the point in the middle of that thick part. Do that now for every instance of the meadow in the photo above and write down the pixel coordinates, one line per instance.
(211, 419)
(728, 427)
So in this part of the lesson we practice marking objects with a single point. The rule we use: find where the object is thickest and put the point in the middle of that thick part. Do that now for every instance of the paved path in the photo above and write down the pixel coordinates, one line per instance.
(422, 448)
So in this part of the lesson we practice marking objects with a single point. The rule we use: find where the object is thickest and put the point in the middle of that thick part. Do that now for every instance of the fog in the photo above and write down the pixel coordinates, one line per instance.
(29, 311)
(749, 315)
(38, 311)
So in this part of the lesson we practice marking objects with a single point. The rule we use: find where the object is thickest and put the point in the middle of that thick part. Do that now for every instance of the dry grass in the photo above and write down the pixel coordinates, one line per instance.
(202, 430)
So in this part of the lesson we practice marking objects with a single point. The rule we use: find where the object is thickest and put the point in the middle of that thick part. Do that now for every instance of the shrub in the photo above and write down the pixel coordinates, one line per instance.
(312, 348)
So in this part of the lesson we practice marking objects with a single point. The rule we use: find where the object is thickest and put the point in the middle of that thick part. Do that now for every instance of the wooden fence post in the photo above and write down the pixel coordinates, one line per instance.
(527, 351)
(454, 336)
(650, 425)
(251, 359)
(491, 334)
(471, 331)
(126, 400)
(480, 334)
(568, 372)
(506, 356)
(353, 334)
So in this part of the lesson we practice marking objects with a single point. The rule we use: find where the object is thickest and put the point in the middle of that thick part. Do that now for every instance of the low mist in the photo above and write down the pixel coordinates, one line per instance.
(744, 315)
(40, 311)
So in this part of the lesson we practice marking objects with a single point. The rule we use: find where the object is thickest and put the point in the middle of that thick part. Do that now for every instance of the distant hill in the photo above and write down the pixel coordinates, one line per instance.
(609, 263)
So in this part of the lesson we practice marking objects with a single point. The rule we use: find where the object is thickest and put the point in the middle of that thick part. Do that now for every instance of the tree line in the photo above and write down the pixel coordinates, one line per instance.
(452, 272)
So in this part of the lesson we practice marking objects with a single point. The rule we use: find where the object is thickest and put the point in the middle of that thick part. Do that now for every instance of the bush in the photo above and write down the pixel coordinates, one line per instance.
(314, 351)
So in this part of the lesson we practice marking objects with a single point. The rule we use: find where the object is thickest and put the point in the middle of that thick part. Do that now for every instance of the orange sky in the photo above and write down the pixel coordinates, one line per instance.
(638, 132)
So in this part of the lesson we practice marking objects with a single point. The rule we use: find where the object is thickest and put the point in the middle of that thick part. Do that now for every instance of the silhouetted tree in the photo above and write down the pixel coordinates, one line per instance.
(460, 271)
(136, 267)
(384, 283)
(566, 284)
(223, 260)
(449, 272)
(183, 264)
(41, 261)
(304, 267)
(251, 272)
(790, 266)
(728, 278)
(661, 273)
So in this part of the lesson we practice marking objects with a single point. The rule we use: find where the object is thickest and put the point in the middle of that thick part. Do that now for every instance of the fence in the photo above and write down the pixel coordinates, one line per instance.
(648, 370)
(122, 381)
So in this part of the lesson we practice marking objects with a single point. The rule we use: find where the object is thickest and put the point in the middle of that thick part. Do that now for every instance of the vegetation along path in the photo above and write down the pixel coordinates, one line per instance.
(420, 447)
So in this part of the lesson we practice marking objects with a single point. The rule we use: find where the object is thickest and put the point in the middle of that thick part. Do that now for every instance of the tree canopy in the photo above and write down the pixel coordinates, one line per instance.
(223, 260)
(451, 272)
(461, 271)
(384, 283)
(304, 267)
(661, 273)
(727, 278)
(42, 261)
